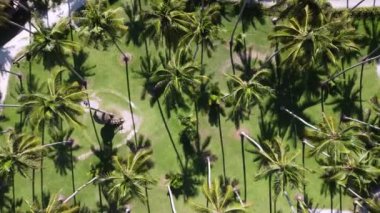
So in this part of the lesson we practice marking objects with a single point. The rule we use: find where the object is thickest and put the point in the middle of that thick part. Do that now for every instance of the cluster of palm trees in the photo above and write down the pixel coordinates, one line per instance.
(312, 46)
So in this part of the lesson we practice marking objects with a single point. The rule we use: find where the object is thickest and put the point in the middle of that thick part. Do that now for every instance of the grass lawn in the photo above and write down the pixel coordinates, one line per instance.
(109, 85)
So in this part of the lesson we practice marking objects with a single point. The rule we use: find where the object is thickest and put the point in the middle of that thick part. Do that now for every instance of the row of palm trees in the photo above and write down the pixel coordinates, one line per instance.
(174, 77)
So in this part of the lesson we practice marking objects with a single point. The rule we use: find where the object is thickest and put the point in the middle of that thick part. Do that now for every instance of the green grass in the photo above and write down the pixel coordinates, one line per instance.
(109, 85)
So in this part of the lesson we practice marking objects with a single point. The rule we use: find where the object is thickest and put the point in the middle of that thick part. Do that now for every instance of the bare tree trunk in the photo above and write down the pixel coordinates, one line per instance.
(244, 167)
(171, 200)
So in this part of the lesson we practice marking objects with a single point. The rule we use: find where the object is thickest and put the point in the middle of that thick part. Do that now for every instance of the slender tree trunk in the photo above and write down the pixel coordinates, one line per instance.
(100, 196)
(331, 201)
(33, 185)
(147, 198)
(130, 102)
(13, 193)
(303, 165)
(233, 35)
(340, 200)
(244, 168)
(270, 193)
(79, 189)
(42, 165)
(72, 174)
(275, 204)
(322, 100)
(170, 135)
(361, 92)
(172, 206)
(93, 122)
(19, 26)
(222, 147)
(197, 120)
(126, 61)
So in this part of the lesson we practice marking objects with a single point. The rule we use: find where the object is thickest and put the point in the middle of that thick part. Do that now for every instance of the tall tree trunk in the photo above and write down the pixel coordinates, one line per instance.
(233, 35)
(42, 165)
(170, 135)
(13, 193)
(172, 206)
(93, 122)
(244, 168)
(322, 100)
(72, 173)
(147, 198)
(100, 196)
(270, 193)
(19, 26)
(222, 147)
(33, 185)
(361, 92)
(126, 61)
(340, 199)
(130, 102)
(331, 201)
(303, 165)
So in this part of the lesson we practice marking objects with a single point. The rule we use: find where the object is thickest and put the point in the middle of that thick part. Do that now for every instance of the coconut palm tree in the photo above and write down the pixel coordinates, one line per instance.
(303, 43)
(244, 94)
(166, 22)
(55, 205)
(18, 156)
(333, 138)
(101, 26)
(51, 44)
(203, 31)
(355, 170)
(47, 109)
(178, 77)
(278, 162)
(130, 177)
(220, 200)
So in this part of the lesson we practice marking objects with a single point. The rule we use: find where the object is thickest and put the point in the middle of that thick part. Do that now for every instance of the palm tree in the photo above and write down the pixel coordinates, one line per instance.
(203, 31)
(333, 138)
(102, 26)
(55, 205)
(130, 177)
(60, 102)
(19, 155)
(220, 200)
(278, 162)
(244, 94)
(51, 45)
(303, 43)
(173, 81)
(166, 22)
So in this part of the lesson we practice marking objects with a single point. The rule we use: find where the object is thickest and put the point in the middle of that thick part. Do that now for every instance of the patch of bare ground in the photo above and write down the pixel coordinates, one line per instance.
(127, 128)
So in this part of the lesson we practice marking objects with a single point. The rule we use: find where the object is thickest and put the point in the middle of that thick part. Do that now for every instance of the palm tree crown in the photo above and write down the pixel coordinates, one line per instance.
(61, 101)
